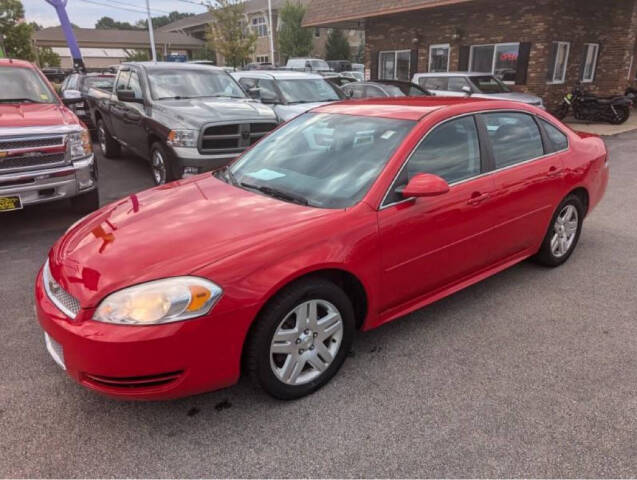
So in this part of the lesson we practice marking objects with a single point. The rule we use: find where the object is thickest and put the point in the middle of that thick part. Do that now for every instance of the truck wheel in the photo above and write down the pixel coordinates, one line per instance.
(109, 146)
(162, 165)
(86, 202)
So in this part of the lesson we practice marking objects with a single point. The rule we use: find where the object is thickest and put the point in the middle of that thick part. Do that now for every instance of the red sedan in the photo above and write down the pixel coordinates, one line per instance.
(343, 219)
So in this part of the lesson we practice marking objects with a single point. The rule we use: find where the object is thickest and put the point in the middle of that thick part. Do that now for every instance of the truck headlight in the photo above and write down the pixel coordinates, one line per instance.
(79, 144)
(182, 138)
(160, 301)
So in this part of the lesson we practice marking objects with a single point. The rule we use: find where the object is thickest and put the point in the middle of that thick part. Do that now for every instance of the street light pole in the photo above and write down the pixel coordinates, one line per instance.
(271, 32)
(150, 31)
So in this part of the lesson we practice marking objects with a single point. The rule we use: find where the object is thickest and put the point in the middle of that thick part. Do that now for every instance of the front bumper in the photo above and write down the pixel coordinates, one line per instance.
(191, 158)
(151, 362)
(50, 184)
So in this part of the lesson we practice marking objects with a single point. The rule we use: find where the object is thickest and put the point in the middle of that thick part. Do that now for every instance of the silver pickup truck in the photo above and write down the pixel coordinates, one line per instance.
(45, 151)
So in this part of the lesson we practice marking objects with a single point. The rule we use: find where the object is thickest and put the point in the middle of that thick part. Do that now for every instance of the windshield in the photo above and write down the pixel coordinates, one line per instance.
(184, 83)
(489, 84)
(103, 83)
(324, 160)
(24, 85)
(308, 90)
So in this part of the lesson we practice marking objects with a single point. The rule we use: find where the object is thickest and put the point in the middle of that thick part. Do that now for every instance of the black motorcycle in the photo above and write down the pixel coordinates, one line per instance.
(632, 94)
(589, 107)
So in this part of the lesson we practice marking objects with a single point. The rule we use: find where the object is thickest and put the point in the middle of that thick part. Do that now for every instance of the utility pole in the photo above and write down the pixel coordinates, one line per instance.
(150, 31)
(271, 32)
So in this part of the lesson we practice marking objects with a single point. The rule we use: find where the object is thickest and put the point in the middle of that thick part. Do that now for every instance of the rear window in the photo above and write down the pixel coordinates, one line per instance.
(558, 139)
(433, 83)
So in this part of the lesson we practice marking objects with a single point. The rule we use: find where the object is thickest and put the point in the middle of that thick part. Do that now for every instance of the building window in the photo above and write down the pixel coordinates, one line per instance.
(394, 65)
(557, 62)
(259, 27)
(500, 59)
(263, 59)
(439, 58)
(317, 32)
(589, 62)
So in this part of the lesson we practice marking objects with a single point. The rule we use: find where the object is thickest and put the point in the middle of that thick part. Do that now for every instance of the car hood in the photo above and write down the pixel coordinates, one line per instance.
(288, 112)
(196, 112)
(171, 230)
(35, 115)
(512, 96)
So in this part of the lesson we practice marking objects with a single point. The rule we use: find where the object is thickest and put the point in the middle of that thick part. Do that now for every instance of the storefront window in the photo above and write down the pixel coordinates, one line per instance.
(394, 65)
(589, 62)
(500, 59)
(439, 58)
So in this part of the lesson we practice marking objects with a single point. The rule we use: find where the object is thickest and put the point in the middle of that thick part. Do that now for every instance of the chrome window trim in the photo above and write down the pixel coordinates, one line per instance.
(382, 205)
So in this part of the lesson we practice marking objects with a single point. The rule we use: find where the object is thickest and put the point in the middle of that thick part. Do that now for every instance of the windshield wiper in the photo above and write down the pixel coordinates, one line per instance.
(273, 192)
(19, 100)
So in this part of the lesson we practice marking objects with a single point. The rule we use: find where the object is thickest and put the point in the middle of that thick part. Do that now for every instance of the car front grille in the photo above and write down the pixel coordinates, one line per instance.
(130, 383)
(20, 153)
(29, 143)
(32, 162)
(232, 137)
(66, 302)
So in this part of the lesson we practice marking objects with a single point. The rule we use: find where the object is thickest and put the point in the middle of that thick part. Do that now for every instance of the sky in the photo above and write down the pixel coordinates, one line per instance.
(85, 13)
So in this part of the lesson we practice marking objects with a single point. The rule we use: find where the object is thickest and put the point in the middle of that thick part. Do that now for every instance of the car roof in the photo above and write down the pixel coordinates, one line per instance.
(12, 62)
(452, 74)
(173, 66)
(276, 74)
(403, 108)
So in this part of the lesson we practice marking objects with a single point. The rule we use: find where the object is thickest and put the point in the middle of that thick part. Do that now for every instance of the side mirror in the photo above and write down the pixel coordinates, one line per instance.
(128, 96)
(425, 185)
(71, 94)
(467, 89)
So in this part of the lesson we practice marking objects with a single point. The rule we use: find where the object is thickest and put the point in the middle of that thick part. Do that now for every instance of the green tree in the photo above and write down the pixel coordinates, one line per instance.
(337, 47)
(293, 39)
(164, 19)
(48, 58)
(107, 23)
(15, 32)
(228, 34)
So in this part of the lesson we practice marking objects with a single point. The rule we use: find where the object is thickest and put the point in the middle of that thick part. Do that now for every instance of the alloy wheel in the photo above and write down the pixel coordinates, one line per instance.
(306, 342)
(158, 165)
(564, 231)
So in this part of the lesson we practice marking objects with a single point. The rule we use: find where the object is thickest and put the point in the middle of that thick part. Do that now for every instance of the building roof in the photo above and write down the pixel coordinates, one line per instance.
(54, 36)
(348, 13)
(251, 6)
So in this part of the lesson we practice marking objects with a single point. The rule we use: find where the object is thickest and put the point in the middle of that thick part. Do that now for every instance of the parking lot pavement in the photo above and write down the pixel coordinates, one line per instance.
(530, 373)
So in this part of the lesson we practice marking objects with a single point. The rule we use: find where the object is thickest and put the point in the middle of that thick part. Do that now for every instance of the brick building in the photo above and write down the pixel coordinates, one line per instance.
(543, 47)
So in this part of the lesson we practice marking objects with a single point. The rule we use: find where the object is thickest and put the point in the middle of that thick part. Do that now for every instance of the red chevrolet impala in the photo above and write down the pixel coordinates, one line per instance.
(343, 219)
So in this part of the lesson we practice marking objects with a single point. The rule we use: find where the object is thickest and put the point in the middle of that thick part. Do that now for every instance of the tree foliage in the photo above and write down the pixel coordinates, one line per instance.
(107, 23)
(228, 35)
(164, 19)
(293, 39)
(337, 47)
(48, 58)
(15, 32)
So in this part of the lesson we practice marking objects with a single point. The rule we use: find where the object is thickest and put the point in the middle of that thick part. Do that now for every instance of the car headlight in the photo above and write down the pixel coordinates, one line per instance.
(159, 301)
(79, 144)
(182, 138)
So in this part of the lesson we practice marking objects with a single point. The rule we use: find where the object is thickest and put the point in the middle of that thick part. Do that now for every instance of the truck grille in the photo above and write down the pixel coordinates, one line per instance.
(31, 162)
(234, 137)
(28, 143)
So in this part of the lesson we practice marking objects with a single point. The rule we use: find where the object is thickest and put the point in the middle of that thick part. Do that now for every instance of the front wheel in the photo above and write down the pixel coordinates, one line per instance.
(561, 111)
(109, 146)
(161, 165)
(301, 339)
(619, 114)
(563, 233)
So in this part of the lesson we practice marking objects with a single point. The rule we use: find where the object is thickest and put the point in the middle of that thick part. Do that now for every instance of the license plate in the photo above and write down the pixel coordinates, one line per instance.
(12, 202)
(55, 350)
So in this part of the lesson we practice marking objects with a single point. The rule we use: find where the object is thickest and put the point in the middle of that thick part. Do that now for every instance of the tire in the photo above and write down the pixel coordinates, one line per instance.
(561, 111)
(307, 355)
(553, 252)
(86, 202)
(109, 146)
(162, 166)
(623, 112)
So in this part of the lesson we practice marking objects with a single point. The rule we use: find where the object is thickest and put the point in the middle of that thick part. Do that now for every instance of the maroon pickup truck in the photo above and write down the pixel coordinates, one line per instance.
(45, 151)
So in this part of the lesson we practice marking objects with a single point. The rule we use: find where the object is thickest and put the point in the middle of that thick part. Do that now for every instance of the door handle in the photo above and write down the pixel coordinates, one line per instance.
(477, 198)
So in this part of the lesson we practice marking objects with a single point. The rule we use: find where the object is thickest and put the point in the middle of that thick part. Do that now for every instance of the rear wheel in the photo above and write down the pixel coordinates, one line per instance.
(301, 339)
(620, 114)
(109, 146)
(563, 233)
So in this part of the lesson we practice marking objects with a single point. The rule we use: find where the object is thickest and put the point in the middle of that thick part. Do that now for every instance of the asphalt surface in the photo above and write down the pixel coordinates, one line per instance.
(530, 373)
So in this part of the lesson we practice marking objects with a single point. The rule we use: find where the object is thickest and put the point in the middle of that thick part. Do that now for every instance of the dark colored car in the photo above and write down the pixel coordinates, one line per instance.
(384, 88)
(340, 65)
(339, 80)
(76, 87)
(183, 118)
(54, 74)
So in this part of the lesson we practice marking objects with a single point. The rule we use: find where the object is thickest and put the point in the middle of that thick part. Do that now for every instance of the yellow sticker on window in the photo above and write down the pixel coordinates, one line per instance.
(44, 96)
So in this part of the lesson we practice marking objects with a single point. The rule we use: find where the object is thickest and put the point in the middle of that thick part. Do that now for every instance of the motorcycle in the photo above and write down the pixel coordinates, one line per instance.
(632, 94)
(586, 106)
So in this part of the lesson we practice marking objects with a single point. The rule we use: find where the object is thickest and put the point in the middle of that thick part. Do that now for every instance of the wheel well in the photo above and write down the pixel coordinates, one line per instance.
(582, 194)
(152, 138)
